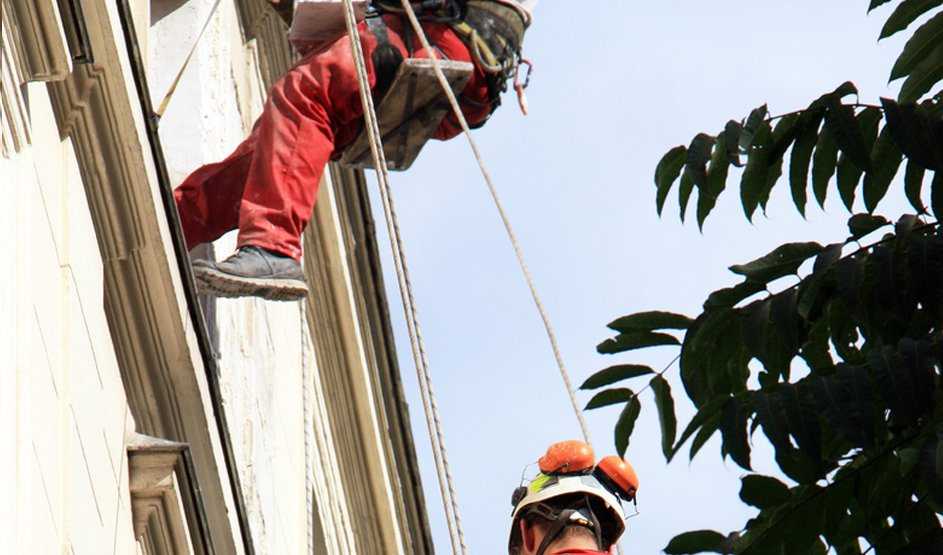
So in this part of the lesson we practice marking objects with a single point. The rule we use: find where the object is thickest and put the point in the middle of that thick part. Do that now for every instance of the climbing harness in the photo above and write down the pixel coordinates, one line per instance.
(411, 102)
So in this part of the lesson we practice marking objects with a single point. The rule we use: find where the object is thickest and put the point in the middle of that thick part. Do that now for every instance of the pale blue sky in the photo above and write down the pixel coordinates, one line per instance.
(617, 83)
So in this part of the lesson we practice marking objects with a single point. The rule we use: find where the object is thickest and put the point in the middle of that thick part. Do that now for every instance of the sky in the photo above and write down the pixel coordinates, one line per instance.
(617, 83)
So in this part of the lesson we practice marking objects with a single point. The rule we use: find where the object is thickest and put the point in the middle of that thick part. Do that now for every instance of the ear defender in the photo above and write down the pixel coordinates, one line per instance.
(517, 495)
(567, 457)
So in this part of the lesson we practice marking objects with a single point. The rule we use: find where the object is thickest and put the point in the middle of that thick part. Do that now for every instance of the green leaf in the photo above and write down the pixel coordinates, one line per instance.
(846, 403)
(610, 397)
(905, 14)
(707, 412)
(668, 169)
(911, 127)
(862, 224)
(763, 492)
(716, 180)
(923, 77)
(648, 321)
(887, 158)
(843, 90)
(849, 175)
(684, 192)
(753, 327)
(895, 383)
(876, 3)
(783, 135)
(626, 425)
(913, 185)
(615, 374)
(830, 254)
(800, 160)
(732, 132)
(666, 414)
(755, 176)
(919, 358)
(803, 419)
(698, 541)
(785, 319)
(936, 195)
(849, 275)
(755, 121)
(783, 261)
(733, 428)
(849, 172)
(778, 142)
(772, 417)
(727, 298)
(704, 434)
(848, 132)
(812, 296)
(920, 46)
(635, 340)
(931, 466)
(699, 152)
(824, 162)
(905, 225)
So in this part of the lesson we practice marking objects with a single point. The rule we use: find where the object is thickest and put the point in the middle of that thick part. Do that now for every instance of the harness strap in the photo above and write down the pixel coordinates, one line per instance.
(562, 520)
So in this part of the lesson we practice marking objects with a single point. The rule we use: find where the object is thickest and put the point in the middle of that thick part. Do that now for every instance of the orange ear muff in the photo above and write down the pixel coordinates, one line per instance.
(618, 475)
(566, 457)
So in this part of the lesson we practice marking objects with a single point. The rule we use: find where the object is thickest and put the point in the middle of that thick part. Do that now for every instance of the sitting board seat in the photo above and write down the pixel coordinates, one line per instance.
(409, 113)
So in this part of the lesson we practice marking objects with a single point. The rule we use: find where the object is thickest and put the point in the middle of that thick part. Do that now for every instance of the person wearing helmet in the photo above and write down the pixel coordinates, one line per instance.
(574, 505)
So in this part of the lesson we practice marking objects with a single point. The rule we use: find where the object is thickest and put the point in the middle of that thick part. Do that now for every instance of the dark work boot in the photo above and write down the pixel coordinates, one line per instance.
(252, 272)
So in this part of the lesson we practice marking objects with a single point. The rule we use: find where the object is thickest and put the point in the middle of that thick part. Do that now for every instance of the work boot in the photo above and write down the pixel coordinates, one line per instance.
(252, 272)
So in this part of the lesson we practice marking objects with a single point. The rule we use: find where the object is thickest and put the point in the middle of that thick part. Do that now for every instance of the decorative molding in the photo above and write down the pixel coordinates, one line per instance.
(157, 493)
(14, 116)
(154, 333)
(44, 42)
(261, 23)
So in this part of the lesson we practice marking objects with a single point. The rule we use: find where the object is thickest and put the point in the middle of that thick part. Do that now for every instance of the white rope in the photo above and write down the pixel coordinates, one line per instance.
(306, 400)
(446, 486)
(456, 109)
(504, 218)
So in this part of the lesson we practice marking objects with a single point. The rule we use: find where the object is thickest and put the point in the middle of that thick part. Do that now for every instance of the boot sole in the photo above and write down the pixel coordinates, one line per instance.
(219, 284)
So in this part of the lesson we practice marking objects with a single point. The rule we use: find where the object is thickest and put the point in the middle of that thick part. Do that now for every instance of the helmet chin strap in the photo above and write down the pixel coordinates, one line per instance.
(563, 520)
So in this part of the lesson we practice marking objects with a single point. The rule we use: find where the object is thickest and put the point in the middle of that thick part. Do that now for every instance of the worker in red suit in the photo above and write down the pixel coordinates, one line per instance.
(267, 187)
(574, 506)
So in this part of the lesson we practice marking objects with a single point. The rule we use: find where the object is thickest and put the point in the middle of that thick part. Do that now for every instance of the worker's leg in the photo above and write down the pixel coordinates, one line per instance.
(314, 107)
(208, 199)
(310, 115)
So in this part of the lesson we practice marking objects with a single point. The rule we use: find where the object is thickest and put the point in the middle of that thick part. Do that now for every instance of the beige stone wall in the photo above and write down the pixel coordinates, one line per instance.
(306, 447)
(65, 417)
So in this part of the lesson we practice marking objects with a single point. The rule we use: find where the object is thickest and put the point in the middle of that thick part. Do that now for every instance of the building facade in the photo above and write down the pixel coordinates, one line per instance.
(137, 416)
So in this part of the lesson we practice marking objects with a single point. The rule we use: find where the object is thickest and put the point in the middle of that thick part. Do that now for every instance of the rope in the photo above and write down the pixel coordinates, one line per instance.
(504, 218)
(173, 86)
(446, 485)
(306, 401)
(456, 109)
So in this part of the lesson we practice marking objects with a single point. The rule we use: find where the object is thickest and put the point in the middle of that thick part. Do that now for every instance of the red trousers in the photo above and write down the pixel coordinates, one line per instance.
(267, 187)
